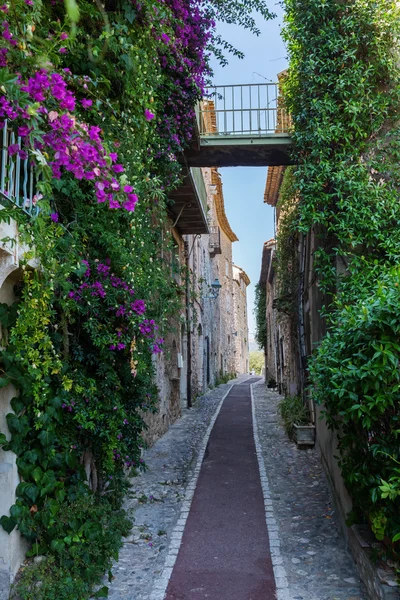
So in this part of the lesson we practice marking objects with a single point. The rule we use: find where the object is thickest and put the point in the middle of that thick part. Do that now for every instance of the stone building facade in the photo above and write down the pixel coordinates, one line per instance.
(292, 338)
(241, 334)
(201, 346)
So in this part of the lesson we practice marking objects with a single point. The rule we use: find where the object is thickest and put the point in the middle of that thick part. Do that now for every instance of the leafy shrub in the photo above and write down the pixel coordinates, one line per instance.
(85, 536)
(293, 412)
(357, 377)
(256, 360)
(260, 313)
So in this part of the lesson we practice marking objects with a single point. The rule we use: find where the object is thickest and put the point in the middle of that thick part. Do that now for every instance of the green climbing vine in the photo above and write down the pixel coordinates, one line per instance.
(101, 96)
(260, 313)
(287, 246)
(343, 92)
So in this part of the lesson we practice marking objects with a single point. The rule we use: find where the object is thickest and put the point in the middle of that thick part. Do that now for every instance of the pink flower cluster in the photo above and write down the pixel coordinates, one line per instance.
(125, 311)
(73, 146)
(148, 329)
(185, 60)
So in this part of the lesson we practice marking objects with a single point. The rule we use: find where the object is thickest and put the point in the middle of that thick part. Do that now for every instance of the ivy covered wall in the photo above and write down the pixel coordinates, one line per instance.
(343, 93)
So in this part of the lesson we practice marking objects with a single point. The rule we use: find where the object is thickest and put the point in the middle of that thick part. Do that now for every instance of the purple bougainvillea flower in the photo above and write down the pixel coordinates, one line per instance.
(86, 103)
(113, 156)
(118, 168)
(64, 36)
(63, 50)
(130, 204)
(149, 115)
(165, 38)
(139, 307)
(13, 149)
(4, 8)
(29, 2)
(54, 217)
(23, 131)
(128, 189)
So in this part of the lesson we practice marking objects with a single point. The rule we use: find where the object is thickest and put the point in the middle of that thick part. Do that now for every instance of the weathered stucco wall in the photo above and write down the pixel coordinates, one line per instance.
(210, 325)
(12, 546)
(241, 334)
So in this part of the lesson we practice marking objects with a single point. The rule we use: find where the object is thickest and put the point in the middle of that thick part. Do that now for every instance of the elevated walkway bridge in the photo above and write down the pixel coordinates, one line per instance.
(241, 125)
(237, 125)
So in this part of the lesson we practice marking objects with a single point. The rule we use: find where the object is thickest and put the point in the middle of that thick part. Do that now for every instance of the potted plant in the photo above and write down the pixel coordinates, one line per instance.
(296, 420)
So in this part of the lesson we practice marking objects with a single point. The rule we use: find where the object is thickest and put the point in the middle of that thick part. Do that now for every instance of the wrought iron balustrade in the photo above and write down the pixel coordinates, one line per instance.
(243, 110)
(17, 175)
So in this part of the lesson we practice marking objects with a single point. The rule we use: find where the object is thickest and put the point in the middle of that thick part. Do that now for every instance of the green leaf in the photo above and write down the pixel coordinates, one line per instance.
(101, 593)
(28, 489)
(7, 523)
(58, 546)
(32, 456)
(13, 422)
(17, 405)
(37, 474)
(46, 437)
(16, 512)
(37, 550)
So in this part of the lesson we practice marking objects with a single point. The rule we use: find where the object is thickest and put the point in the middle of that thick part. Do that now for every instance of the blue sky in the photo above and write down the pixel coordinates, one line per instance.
(250, 218)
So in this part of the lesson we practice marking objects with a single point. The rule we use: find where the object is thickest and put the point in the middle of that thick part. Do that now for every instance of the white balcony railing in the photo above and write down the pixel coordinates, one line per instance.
(242, 111)
(18, 179)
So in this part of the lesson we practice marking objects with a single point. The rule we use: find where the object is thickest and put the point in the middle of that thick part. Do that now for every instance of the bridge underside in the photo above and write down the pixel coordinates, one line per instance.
(228, 151)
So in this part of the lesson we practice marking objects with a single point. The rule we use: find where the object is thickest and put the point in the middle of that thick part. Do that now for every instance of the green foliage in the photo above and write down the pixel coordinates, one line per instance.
(287, 246)
(356, 372)
(256, 362)
(225, 378)
(260, 312)
(237, 13)
(343, 92)
(293, 412)
(75, 350)
(86, 536)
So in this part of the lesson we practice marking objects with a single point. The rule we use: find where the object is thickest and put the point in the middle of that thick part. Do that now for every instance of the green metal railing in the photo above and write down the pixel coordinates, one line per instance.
(242, 110)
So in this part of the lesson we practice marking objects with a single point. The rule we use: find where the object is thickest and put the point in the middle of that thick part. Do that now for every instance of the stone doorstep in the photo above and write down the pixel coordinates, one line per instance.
(380, 581)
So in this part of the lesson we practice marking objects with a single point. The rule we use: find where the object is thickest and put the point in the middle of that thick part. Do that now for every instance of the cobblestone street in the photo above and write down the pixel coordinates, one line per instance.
(308, 554)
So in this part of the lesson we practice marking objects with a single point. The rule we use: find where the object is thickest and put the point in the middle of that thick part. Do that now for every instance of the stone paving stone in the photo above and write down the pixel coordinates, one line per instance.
(314, 556)
(311, 548)
(155, 502)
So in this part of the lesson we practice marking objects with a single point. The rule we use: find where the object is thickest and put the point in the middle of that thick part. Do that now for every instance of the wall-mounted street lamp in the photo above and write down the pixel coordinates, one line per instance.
(215, 287)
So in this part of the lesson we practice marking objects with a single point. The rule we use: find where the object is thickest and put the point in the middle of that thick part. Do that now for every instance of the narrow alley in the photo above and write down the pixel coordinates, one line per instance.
(228, 511)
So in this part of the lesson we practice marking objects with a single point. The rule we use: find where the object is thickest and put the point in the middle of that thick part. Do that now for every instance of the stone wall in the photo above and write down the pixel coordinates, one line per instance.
(208, 322)
(241, 333)
(12, 546)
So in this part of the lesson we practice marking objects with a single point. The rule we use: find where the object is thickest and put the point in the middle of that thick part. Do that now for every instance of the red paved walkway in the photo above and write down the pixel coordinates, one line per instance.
(225, 549)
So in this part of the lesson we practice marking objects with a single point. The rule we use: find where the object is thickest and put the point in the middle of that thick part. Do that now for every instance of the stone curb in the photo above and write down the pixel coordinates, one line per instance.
(282, 592)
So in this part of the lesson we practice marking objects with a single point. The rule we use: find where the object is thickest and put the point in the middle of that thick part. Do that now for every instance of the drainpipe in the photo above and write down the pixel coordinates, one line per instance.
(188, 332)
